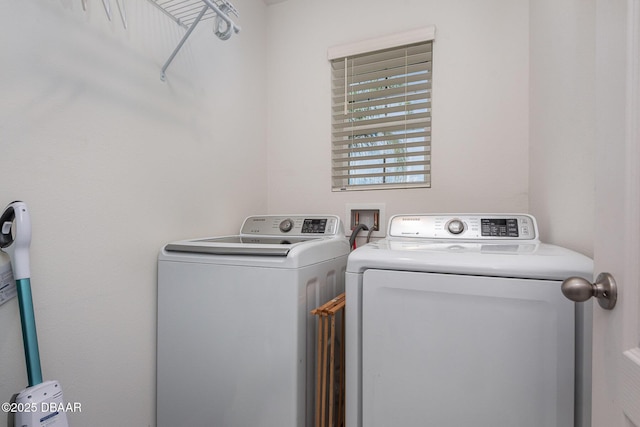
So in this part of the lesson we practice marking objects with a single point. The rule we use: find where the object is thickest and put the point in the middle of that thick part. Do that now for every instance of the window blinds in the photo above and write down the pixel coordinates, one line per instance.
(381, 118)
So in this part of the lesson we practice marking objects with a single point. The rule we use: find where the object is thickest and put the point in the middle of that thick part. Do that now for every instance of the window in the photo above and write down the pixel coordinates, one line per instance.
(381, 113)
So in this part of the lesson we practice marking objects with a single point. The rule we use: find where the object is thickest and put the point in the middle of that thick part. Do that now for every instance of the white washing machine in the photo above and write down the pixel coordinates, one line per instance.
(236, 342)
(459, 320)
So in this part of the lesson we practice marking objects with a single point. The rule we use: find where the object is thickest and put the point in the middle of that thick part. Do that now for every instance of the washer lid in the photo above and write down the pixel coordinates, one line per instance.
(239, 245)
(274, 236)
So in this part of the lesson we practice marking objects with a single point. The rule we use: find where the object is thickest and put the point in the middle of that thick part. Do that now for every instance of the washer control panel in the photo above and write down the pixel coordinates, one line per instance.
(465, 226)
(292, 225)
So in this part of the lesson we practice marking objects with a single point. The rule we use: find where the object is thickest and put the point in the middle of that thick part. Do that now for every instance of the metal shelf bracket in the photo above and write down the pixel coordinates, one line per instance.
(188, 13)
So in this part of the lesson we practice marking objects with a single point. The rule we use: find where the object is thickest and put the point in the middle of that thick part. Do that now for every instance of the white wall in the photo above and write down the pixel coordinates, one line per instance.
(480, 102)
(513, 108)
(113, 163)
(562, 137)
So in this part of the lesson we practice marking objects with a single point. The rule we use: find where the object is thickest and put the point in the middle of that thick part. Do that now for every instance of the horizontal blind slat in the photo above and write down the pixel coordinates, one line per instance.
(383, 88)
(384, 92)
(381, 56)
(381, 126)
(377, 73)
(366, 144)
(388, 96)
(425, 182)
(368, 70)
(374, 110)
(382, 175)
(387, 166)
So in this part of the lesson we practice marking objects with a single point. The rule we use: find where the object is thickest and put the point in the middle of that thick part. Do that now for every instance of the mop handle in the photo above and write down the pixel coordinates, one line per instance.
(29, 336)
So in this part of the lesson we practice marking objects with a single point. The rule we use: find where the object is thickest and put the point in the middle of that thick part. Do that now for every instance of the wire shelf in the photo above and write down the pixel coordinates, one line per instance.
(188, 13)
(185, 12)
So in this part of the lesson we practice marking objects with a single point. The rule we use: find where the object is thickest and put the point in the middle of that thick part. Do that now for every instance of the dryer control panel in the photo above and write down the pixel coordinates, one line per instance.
(292, 225)
(464, 226)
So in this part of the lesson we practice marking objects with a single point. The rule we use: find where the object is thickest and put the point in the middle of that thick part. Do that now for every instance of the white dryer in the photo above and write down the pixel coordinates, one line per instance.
(459, 320)
(235, 343)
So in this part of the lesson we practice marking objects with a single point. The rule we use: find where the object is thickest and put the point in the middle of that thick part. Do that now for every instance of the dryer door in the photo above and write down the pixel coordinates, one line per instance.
(447, 350)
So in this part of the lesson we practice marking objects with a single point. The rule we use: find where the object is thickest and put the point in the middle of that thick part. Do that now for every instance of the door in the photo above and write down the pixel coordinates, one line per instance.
(616, 337)
(451, 350)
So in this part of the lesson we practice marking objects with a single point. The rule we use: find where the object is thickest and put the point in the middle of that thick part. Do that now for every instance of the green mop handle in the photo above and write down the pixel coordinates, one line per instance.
(29, 335)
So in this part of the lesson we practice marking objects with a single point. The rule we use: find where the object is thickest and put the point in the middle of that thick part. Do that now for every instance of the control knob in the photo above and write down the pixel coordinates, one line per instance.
(286, 225)
(455, 226)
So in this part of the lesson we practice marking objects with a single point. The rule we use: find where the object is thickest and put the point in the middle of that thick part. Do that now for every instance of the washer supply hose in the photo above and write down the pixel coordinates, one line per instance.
(354, 234)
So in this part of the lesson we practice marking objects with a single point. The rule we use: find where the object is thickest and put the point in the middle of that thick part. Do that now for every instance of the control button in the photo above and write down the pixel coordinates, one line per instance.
(455, 226)
(286, 225)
